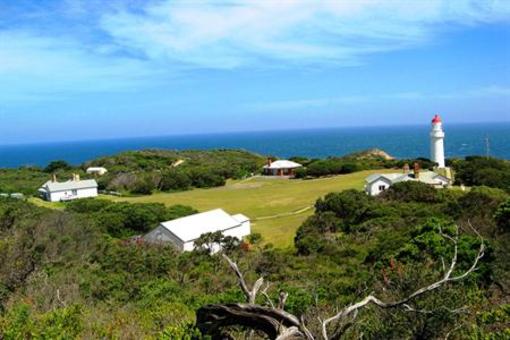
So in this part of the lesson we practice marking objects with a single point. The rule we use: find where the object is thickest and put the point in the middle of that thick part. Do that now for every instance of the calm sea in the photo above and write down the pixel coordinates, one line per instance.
(401, 142)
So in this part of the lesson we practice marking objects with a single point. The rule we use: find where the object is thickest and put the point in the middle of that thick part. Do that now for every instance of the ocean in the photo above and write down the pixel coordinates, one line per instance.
(399, 141)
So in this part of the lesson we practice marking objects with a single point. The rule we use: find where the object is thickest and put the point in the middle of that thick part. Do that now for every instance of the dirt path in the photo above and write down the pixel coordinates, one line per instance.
(297, 212)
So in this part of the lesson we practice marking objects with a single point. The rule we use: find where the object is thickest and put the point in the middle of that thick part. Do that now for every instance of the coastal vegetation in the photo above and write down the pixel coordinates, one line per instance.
(79, 269)
(143, 172)
(77, 272)
(149, 171)
(478, 170)
(358, 161)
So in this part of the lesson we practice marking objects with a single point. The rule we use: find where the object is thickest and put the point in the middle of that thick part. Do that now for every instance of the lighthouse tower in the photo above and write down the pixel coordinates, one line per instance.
(437, 142)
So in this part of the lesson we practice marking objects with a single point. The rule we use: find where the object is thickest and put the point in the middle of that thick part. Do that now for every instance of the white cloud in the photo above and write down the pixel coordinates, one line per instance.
(33, 67)
(81, 46)
(235, 33)
(492, 91)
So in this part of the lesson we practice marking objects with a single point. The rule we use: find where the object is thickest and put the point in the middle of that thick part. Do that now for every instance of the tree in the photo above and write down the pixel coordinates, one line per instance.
(352, 206)
(143, 186)
(57, 165)
(411, 191)
(502, 216)
(175, 180)
(214, 242)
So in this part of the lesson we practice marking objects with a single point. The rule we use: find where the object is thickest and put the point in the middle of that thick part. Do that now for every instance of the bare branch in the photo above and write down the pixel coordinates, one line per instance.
(268, 298)
(59, 299)
(251, 295)
(240, 277)
(403, 302)
(304, 329)
(255, 289)
(278, 324)
(273, 322)
(282, 299)
(290, 333)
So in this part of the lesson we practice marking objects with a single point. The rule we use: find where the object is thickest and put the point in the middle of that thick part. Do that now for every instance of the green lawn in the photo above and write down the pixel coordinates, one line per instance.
(262, 199)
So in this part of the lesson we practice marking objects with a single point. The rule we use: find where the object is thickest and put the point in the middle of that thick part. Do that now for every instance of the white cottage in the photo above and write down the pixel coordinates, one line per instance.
(183, 232)
(54, 191)
(377, 183)
(281, 168)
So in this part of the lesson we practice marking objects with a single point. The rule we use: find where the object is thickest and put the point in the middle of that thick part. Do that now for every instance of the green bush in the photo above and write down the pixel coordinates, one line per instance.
(502, 216)
(411, 191)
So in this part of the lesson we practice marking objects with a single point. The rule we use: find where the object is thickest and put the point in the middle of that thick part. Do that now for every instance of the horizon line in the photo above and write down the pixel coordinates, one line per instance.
(52, 142)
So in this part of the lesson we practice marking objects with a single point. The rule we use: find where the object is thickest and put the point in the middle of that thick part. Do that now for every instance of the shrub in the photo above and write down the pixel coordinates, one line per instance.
(57, 165)
(143, 186)
(502, 216)
(175, 180)
(411, 191)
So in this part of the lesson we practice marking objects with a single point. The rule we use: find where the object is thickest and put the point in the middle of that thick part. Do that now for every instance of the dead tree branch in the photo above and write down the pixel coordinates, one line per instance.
(281, 325)
(446, 278)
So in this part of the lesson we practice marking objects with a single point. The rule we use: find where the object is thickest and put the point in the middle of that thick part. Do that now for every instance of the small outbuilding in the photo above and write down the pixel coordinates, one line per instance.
(184, 231)
(281, 168)
(54, 191)
(96, 170)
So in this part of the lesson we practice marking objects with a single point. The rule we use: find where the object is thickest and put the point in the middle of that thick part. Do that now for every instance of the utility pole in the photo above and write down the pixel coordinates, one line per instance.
(487, 146)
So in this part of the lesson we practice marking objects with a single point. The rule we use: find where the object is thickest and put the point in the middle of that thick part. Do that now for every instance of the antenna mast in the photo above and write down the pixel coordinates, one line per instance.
(487, 146)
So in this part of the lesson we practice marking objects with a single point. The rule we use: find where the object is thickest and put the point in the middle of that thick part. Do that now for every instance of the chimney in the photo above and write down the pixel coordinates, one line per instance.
(269, 161)
(416, 170)
(406, 168)
(54, 178)
(77, 177)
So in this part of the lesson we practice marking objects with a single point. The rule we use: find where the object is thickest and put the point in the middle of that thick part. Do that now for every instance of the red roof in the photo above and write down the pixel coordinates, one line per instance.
(436, 119)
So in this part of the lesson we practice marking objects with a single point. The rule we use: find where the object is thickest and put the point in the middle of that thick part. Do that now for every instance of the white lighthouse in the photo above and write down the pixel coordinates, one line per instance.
(437, 142)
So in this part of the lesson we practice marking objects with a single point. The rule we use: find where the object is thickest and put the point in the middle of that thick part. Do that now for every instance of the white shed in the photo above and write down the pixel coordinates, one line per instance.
(97, 170)
(54, 191)
(184, 231)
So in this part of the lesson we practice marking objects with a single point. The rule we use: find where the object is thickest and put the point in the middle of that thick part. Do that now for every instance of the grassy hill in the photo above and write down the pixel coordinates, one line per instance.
(276, 206)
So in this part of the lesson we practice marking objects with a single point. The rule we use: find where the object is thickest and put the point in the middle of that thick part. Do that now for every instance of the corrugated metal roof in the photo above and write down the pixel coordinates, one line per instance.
(190, 228)
(69, 185)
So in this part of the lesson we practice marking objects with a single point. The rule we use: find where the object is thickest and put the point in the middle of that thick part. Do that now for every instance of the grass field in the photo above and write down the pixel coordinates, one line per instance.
(277, 207)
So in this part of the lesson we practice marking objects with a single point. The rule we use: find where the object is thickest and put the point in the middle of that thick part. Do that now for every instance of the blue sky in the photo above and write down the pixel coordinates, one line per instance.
(89, 69)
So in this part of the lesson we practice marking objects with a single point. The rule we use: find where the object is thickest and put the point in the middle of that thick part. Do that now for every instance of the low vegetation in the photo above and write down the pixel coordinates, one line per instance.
(487, 171)
(364, 160)
(76, 272)
(142, 172)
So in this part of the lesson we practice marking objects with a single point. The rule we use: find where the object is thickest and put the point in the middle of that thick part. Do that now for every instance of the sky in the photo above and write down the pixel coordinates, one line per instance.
(94, 69)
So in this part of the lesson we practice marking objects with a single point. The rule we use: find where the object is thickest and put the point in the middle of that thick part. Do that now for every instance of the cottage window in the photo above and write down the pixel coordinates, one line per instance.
(74, 192)
(382, 187)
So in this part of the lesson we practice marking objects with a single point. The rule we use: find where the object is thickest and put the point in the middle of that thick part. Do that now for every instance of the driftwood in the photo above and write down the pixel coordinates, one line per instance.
(211, 319)
(278, 324)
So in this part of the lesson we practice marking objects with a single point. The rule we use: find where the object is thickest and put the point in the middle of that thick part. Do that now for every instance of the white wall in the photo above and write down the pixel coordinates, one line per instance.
(161, 234)
(441, 182)
(68, 194)
(373, 188)
(239, 232)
